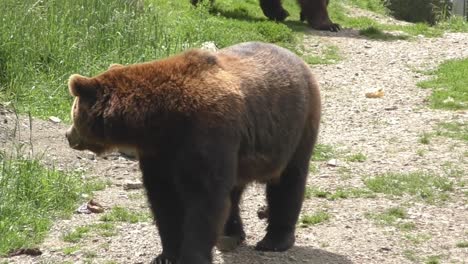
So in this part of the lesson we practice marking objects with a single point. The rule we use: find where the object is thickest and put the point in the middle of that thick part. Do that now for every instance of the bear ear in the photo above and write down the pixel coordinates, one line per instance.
(115, 65)
(82, 86)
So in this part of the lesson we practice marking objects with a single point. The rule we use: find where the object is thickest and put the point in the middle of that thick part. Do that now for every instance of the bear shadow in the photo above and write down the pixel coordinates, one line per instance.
(297, 254)
(238, 14)
(295, 25)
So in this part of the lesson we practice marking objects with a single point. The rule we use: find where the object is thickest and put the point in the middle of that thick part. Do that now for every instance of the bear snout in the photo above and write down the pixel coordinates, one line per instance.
(72, 137)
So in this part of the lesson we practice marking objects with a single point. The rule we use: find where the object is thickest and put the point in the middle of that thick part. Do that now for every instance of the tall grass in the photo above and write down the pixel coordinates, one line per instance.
(44, 42)
(31, 196)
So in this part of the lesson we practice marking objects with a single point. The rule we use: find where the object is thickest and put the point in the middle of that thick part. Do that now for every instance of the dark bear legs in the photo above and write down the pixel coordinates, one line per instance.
(167, 210)
(316, 14)
(233, 227)
(313, 11)
(273, 10)
(190, 199)
(285, 199)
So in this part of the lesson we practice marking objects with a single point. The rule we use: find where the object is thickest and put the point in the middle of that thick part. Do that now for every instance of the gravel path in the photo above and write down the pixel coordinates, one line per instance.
(386, 130)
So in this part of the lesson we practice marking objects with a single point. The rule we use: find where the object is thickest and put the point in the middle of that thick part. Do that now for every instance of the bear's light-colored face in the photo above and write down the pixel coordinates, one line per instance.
(84, 133)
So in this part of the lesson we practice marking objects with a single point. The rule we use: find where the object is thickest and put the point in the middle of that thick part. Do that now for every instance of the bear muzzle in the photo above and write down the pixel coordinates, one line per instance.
(73, 138)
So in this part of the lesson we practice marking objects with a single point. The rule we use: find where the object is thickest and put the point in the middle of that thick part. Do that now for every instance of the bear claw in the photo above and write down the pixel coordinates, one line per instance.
(161, 260)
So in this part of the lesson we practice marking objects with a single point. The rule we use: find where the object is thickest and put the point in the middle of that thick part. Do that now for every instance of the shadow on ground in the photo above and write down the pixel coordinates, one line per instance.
(298, 26)
(297, 254)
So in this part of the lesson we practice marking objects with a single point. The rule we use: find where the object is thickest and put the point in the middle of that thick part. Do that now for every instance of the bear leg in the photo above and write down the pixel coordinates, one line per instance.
(233, 228)
(316, 14)
(205, 182)
(285, 198)
(166, 207)
(273, 10)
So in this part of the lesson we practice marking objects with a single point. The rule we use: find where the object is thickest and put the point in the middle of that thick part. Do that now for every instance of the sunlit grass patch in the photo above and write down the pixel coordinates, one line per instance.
(393, 216)
(423, 185)
(323, 152)
(314, 219)
(449, 85)
(121, 214)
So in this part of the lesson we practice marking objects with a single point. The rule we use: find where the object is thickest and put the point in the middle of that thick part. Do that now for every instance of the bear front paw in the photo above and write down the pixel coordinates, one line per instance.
(162, 260)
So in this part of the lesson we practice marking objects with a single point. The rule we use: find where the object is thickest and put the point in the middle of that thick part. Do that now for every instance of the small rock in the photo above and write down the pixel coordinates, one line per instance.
(90, 156)
(209, 45)
(384, 249)
(90, 207)
(55, 119)
(132, 185)
(332, 163)
(391, 108)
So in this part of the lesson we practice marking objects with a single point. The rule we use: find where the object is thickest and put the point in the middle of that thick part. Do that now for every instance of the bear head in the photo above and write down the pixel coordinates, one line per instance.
(87, 130)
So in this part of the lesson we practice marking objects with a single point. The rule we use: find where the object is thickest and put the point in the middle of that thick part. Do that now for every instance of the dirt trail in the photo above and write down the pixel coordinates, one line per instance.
(385, 130)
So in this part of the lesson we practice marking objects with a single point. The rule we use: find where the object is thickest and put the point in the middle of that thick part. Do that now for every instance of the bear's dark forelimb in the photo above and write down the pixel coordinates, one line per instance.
(166, 206)
(233, 226)
(286, 196)
(316, 14)
(273, 10)
(205, 182)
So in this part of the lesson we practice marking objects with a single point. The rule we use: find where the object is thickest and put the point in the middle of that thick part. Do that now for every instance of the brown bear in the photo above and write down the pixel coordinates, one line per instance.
(204, 125)
(313, 11)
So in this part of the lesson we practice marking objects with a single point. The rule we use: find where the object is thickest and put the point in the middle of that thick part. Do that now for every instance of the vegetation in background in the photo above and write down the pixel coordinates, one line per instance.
(31, 197)
(449, 85)
(429, 11)
(43, 42)
(370, 27)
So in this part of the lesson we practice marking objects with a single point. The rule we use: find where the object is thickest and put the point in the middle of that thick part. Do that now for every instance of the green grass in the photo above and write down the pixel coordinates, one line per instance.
(393, 217)
(410, 255)
(329, 55)
(455, 130)
(418, 238)
(314, 219)
(323, 152)
(71, 250)
(76, 235)
(121, 214)
(423, 185)
(463, 244)
(449, 89)
(357, 157)
(31, 197)
(378, 34)
(425, 138)
(371, 5)
(106, 229)
(433, 260)
(43, 42)
(340, 193)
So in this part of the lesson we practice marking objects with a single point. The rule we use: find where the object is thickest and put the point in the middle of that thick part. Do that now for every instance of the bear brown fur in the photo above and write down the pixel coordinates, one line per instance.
(204, 125)
(313, 11)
